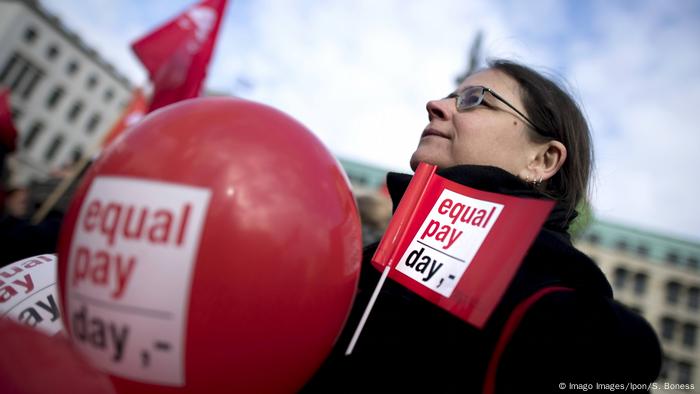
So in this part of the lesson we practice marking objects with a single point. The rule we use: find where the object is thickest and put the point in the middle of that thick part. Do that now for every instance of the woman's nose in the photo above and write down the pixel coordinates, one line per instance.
(437, 109)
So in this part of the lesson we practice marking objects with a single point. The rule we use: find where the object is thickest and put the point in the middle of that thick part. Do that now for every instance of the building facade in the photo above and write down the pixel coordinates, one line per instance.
(64, 97)
(658, 277)
(363, 176)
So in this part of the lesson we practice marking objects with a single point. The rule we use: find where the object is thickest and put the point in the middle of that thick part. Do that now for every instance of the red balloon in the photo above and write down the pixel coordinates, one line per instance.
(32, 362)
(214, 248)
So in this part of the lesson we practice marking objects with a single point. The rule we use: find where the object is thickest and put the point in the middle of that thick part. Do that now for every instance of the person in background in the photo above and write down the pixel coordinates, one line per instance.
(375, 213)
(506, 129)
(19, 238)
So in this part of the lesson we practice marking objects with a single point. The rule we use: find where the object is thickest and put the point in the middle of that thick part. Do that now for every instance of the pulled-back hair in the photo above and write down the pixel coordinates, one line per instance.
(555, 112)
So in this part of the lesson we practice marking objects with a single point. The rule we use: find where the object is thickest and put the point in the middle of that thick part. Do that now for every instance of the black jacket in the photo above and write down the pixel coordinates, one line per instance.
(565, 339)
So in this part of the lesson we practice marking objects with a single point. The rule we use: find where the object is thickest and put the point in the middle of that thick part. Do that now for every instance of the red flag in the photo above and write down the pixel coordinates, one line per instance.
(132, 114)
(177, 53)
(8, 132)
(456, 246)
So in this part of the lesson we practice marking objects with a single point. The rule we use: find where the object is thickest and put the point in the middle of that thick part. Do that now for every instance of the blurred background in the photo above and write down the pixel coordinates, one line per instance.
(359, 73)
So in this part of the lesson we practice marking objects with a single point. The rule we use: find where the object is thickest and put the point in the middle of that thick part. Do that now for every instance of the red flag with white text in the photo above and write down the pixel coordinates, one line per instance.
(8, 132)
(177, 54)
(134, 111)
(458, 247)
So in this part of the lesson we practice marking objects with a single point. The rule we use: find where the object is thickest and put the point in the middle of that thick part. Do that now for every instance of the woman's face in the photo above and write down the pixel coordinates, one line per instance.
(490, 134)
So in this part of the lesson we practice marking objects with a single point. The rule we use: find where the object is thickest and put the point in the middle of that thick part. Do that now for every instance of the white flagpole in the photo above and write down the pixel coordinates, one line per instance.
(368, 309)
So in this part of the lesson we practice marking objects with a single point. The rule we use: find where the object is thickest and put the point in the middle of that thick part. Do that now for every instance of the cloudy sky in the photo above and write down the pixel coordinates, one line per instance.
(359, 72)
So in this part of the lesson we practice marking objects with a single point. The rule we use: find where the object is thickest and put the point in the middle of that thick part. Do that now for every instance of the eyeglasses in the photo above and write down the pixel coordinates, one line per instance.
(473, 96)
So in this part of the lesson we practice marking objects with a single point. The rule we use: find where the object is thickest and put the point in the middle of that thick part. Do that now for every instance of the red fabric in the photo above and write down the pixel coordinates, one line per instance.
(133, 113)
(8, 132)
(176, 54)
(509, 329)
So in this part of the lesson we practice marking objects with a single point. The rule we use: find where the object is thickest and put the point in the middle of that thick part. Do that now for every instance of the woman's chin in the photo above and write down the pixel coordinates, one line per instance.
(424, 157)
(415, 160)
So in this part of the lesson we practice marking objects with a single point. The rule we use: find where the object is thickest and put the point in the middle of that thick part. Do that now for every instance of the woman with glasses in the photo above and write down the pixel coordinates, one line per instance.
(510, 130)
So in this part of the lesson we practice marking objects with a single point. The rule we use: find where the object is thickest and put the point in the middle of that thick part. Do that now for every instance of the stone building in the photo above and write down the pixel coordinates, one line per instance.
(64, 96)
(659, 277)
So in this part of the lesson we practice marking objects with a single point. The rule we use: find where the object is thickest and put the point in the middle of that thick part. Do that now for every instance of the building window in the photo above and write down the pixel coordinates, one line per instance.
(673, 292)
(672, 257)
(694, 298)
(52, 52)
(640, 283)
(20, 75)
(693, 262)
(75, 111)
(30, 35)
(685, 372)
(10, 68)
(621, 245)
(620, 278)
(33, 133)
(689, 334)
(92, 123)
(109, 95)
(77, 154)
(72, 68)
(92, 81)
(54, 97)
(14, 85)
(16, 114)
(51, 151)
(668, 328)
(643, 250)
(31, 83)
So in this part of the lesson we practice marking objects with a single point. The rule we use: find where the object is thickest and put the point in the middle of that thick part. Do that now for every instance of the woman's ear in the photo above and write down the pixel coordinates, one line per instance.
(548, 160)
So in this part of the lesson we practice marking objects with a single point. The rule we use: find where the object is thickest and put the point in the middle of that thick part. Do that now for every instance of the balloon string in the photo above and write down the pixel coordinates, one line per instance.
(368, 309)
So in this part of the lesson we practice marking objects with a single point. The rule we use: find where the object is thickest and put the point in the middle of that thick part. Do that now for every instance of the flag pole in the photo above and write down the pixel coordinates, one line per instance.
(367, 311)
(386, 251)
(60, 189)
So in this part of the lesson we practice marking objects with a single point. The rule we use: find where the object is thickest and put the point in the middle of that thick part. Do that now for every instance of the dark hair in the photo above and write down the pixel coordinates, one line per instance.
(555, 112)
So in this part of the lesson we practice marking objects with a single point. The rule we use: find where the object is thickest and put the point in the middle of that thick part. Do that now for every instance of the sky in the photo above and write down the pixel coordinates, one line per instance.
(358, 74)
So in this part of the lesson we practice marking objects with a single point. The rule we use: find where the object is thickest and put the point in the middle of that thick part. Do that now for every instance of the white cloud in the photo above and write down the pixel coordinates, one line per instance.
(639, 81)
(359, 73)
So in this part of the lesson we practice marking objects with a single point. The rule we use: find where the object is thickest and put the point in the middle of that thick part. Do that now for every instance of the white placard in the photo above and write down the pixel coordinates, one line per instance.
(448, 240)
(28, 293)
(130, 269)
